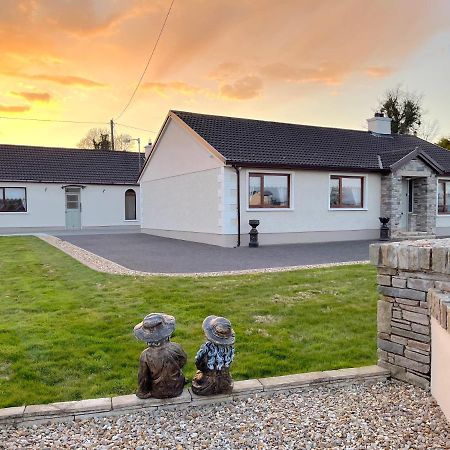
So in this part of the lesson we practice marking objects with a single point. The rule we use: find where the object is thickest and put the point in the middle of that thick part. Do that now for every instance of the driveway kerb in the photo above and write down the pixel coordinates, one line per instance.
(30, 415)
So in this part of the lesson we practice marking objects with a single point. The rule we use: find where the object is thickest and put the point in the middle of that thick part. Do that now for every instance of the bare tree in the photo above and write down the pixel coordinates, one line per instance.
(100, 138)
(428, 130)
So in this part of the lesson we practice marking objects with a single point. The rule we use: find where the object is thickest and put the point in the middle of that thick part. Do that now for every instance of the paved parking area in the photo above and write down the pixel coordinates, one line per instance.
(161, 255)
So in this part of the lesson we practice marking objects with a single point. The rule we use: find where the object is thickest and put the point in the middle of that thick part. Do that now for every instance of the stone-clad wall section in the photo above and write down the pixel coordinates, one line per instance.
(406, 272)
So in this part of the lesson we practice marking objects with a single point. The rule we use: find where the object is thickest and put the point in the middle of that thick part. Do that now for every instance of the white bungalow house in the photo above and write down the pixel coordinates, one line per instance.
(207, 176)
(46, 188)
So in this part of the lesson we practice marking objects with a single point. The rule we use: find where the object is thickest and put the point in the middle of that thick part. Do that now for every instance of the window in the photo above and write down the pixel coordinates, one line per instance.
(346, 192)
(269, 190)
(410, 196)
(443, 197)
(13, 199)
(130, 205)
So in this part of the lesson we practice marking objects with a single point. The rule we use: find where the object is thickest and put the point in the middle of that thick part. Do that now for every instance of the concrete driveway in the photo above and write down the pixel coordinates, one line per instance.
(161, 255)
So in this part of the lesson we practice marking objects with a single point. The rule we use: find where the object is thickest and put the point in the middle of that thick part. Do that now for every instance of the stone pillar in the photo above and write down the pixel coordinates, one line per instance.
(425, 203)
(406, 272)
(391, 198)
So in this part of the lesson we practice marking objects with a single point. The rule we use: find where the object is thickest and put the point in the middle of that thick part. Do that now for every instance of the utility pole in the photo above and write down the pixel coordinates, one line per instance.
(112, 134)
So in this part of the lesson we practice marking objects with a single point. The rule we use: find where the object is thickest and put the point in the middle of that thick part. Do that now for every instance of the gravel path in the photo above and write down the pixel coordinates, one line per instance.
(101, 264)
(381, 416)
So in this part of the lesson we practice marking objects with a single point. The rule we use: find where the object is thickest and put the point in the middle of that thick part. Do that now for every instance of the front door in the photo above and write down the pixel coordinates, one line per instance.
(73, 208)
(406, 204)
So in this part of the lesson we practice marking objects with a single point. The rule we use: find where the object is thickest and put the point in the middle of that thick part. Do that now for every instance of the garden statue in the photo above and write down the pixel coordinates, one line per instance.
(214, 358)
(160, 365)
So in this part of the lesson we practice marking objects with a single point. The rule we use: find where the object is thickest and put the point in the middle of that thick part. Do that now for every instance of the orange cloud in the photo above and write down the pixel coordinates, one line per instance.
(14, 108)
(163, 88)
(33, 96)
(378, 72)
(67, 80)
(224, 70)
(324, 74)
(242, 89)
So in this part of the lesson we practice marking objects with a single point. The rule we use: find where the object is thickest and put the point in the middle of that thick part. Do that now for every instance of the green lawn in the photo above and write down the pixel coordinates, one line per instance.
(66, 331)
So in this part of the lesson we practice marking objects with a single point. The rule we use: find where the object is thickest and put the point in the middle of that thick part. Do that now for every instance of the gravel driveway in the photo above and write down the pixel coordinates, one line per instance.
(381, 416)
(161, 255)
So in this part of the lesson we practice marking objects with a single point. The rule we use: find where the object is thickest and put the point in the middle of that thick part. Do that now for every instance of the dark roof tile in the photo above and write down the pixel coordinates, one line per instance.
(67, 165)
(257, 142)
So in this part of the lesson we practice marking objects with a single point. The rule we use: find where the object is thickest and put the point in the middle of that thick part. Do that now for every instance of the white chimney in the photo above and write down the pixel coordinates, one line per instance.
(379, 124)
(148, 149)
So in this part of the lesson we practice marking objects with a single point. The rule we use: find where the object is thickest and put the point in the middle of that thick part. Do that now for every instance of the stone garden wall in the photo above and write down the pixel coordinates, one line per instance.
(410, 275)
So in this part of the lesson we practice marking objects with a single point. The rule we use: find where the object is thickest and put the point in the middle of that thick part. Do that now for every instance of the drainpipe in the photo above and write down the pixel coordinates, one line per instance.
(238, 182)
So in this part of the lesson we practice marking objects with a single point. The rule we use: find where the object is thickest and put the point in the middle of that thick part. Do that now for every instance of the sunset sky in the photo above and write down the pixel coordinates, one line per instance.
(319, 62)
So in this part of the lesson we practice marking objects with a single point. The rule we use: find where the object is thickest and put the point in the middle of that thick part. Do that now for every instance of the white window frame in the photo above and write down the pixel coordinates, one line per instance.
(347, 174)
(270, 172)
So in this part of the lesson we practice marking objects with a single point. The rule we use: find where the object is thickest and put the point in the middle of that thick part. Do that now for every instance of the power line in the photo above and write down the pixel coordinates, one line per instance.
(35, 119)
(52, 120)
(148, 62)
(135, 128)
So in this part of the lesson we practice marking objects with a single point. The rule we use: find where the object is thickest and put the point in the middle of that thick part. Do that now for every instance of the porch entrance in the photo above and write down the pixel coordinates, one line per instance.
(73, 208)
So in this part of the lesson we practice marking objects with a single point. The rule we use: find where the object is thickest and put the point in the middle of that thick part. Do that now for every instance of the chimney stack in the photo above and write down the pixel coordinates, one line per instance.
(148, 149)
(379, 124)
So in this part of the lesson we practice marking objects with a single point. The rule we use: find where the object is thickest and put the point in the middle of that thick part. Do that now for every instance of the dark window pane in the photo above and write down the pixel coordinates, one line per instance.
(351, 192)
(276, 191)
(441, 202)
(447, 197)
(13, 200)
(334, 192)
(346, 192)
(254, 191)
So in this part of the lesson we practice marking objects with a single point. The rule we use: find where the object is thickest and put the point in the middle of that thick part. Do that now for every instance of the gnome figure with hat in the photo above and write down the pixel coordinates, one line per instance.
(214, 358)
(160, 365)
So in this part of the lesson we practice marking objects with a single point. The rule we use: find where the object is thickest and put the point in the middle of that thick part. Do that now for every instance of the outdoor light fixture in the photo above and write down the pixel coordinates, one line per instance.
(139, 147)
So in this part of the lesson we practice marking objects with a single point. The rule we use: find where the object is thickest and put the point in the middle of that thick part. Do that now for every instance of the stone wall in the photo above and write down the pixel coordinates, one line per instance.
(407, 271)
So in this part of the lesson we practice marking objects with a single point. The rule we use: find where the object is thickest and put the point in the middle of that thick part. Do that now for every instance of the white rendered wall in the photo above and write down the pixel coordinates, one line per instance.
(309, 213)
(440, 366)
(101, 206)
(178, 153)
(180, 188)
(45, 207)
(105, 206)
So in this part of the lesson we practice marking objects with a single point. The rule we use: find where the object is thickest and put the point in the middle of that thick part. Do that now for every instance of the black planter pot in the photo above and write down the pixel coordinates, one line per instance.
(253, 233)
(384, 229)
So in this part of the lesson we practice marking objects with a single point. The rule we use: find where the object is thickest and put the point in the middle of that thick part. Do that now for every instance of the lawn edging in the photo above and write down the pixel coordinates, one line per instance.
(103, 265)
(30, 415)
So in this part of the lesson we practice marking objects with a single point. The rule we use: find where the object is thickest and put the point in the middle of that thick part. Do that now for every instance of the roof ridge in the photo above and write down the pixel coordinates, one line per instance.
(18, 146)
(269, 121)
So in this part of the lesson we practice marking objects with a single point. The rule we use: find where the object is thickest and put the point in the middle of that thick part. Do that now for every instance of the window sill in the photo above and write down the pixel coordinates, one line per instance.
(131, 220)
(269, 209)
(347, 209)
(13, 212)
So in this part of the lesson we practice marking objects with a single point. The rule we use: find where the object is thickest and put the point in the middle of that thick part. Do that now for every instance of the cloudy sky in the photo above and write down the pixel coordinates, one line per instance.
(320, 62)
